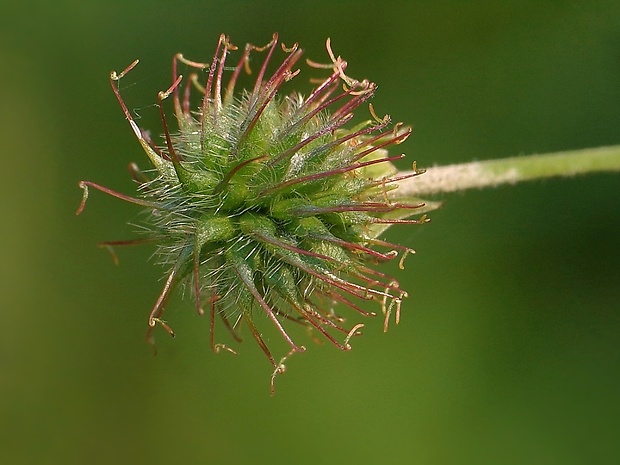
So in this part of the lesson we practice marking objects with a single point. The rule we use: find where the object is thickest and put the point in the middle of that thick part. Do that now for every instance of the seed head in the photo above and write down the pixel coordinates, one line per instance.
(265, 203)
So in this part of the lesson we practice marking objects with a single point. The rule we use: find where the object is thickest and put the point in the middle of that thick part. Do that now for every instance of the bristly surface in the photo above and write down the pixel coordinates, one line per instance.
(265, 204)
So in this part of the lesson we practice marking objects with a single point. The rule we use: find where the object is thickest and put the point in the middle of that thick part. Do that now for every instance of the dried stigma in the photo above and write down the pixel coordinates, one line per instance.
(265, 203)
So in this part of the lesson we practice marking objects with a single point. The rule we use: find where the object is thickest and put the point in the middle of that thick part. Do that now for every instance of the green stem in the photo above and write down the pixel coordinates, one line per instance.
(476, 175)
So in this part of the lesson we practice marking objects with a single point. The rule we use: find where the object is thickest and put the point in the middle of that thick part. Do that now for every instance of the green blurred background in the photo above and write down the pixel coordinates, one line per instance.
(508, 351)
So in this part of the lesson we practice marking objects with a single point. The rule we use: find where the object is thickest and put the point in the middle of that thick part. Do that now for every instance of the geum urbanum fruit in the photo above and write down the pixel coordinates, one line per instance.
(265, 204)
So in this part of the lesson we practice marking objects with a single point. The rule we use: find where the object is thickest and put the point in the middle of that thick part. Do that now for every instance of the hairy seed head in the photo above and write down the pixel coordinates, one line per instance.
(267, 203)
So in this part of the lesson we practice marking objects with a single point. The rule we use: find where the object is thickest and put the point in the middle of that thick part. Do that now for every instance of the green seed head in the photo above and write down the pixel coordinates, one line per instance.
(265, 204)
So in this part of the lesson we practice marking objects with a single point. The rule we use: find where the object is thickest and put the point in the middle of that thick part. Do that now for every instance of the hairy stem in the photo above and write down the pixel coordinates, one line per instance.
(476, 175)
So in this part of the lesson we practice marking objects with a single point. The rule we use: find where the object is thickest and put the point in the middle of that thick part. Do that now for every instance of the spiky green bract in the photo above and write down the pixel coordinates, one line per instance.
(266, 204)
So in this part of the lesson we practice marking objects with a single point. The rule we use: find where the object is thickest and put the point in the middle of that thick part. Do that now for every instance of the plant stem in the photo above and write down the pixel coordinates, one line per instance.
(476, 175)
